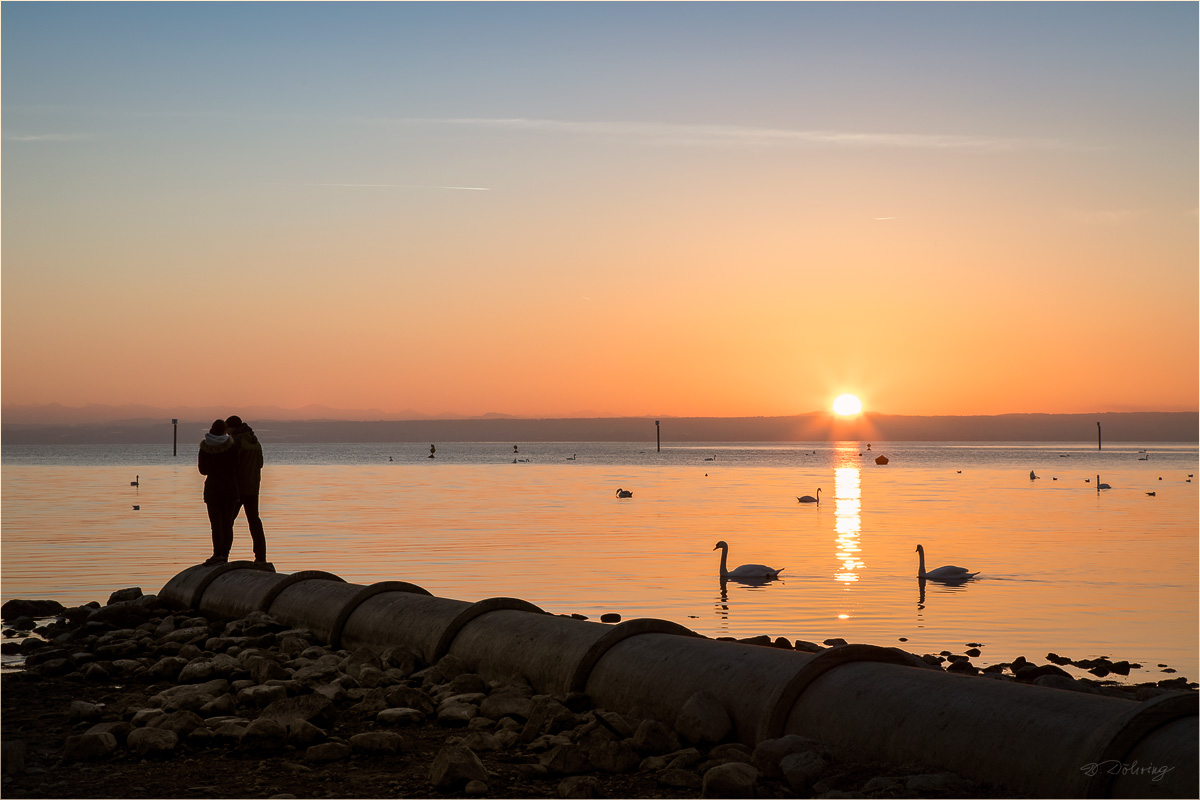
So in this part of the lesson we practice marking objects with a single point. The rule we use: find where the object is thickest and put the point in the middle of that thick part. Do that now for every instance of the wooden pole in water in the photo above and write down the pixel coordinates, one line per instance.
(657, 438)
(1099, 439)
(175, 437)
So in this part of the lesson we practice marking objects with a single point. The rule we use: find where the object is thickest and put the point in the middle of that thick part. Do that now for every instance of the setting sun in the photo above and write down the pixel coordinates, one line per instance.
(847, 405)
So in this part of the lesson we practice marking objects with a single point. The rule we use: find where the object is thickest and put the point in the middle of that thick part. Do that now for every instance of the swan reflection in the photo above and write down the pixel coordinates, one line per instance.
(944, 585)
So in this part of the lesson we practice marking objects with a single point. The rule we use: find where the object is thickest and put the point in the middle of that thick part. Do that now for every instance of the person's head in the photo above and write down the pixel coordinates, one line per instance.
(234, 422)
(218, 427)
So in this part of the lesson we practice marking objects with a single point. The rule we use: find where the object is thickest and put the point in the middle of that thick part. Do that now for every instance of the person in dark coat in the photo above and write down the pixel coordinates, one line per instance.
(218, 463)
(249, 476)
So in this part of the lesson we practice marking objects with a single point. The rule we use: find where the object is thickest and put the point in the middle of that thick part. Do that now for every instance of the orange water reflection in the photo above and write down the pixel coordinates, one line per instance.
(847, 490)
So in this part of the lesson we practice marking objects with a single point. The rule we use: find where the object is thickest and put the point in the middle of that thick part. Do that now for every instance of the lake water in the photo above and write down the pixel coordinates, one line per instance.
(1063, 568)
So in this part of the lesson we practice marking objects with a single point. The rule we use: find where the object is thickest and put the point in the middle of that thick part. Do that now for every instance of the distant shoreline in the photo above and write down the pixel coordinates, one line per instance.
(1144, 427)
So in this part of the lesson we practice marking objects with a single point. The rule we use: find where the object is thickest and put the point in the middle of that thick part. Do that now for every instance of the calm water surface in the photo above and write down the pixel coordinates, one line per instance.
(1064, 568)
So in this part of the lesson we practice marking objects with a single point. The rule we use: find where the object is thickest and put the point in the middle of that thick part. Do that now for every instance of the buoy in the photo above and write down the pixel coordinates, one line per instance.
(881, 460)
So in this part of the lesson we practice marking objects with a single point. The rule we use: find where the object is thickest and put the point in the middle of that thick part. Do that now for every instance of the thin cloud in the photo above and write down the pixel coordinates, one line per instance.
(742, 135)
(49, 137)
(390, 186)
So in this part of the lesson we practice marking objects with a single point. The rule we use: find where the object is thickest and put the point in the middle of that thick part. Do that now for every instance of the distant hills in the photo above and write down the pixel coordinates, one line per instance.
(815, 427)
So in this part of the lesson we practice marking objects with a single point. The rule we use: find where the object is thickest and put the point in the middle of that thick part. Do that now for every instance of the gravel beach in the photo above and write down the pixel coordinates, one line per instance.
(135, 699)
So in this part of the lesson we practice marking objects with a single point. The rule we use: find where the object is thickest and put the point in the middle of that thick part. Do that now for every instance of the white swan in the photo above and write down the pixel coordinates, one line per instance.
(745, 570)
(624, 493)
(808, 498)
(942, 573)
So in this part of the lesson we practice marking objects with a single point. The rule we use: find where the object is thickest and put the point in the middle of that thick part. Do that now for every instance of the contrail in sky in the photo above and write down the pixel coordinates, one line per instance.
(391, 186)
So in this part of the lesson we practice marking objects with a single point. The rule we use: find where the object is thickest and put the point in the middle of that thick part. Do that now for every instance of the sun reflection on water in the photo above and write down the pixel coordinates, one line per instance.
(848, 523)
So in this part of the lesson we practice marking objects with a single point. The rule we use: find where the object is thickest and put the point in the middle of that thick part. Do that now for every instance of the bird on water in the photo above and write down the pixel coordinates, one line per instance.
(808, 498)
(745, 570)
(624, 493)
(947, 573)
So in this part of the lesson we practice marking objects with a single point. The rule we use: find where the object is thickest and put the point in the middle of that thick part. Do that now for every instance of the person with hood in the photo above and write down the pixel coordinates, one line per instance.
(218, 463)
(249, 476)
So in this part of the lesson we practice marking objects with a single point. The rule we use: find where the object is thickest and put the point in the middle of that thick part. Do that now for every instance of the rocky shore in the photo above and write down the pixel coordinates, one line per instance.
(135, 699)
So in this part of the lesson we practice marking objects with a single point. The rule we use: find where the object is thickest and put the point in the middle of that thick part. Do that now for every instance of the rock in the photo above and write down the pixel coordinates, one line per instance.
(481, 742)
(475, 789)
(81, 711)
(807, 647)
(124, 595)
(835, 642)
(376, 742)
(400, 716)
(30, 608)
(732, 751)
(580, 786)
(612, 616)
(1030, 672)
(120, 730)
(261, 696)
(801, 770)
(654, 738)
(684, 759)
(181, 723)
(220, 706)
(406, 697)
(89, 747)
(770, 752)
(166, 668)
(566, 759)
(498, 706)
(151, 742)
(301, 733)
(455, 766)
(329, 751)
(313, 708)
(264, 736)
(12, 756)
(456, 715)
(466, 683)
(615, 757)
(963, 667)
(266, 669)
(143, 716)
(974, 652)
(680, 778)
(703, 720)
(730, 780)
(944, 784)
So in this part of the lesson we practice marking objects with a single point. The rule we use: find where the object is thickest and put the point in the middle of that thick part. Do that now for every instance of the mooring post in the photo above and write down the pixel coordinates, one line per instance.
(175, 437)
(1099, 440)
(657, 438)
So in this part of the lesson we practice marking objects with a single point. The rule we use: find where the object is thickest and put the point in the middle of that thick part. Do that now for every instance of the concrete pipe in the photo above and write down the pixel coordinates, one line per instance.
(872, 703)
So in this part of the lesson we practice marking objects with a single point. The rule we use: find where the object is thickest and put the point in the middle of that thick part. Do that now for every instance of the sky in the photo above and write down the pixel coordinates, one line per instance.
(576, 209)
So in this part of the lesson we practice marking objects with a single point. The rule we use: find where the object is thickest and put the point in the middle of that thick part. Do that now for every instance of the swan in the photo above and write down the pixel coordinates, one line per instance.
(745, 570)
(137, 479)
(1032, 475)
(942, 573)
(714, 458)
(1100, 485)
(808, 498)
(624, 493)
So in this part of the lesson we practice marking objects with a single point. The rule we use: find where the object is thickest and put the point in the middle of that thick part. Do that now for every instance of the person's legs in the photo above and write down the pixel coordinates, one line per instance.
(218, 515)
(256, 527)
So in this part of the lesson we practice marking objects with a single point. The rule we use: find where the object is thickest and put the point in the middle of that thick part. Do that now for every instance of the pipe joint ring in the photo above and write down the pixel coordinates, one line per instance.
(366, 593)
(478, 610)
(619, 633)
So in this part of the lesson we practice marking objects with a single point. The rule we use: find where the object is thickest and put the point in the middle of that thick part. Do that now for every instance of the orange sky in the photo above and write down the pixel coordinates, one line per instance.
(934, 215)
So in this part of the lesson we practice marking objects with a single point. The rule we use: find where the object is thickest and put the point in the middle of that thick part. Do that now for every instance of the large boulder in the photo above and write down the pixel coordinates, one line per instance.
(30, 608)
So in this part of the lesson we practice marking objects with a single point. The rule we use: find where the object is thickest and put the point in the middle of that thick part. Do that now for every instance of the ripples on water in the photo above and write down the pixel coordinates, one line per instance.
(1064, 568)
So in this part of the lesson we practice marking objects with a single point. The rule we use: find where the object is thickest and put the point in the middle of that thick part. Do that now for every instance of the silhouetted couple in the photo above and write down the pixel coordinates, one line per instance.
(231, 459)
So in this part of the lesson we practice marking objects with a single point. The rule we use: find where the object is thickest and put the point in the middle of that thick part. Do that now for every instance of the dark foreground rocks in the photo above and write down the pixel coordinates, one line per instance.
(134, 699)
